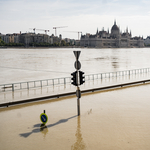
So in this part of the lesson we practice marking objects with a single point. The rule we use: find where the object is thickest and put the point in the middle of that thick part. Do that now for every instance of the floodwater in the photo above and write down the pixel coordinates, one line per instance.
(18, 65)
(116, 119)
(111, 120)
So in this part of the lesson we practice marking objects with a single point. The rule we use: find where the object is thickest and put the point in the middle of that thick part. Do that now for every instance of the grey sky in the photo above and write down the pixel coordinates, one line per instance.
(78, 15)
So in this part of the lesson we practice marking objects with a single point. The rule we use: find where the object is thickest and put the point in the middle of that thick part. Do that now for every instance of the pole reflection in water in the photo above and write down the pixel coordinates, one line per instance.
(41, 90)
(79, 144)
(28, 93)
(34, 92)
(44, 130)
(13, 95)
(21, 94)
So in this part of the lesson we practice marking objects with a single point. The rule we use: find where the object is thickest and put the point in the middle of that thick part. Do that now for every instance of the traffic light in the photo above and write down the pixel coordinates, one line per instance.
(81, 77)
(74, 78)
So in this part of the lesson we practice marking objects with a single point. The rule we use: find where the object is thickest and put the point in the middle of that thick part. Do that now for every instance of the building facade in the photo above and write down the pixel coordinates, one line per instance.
(147, 41)
(30, 38)
(10, 38)
(117, 39)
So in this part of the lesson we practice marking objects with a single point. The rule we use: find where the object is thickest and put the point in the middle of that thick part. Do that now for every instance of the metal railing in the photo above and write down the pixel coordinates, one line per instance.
(115, 74)
(34, 84)
(65, 80)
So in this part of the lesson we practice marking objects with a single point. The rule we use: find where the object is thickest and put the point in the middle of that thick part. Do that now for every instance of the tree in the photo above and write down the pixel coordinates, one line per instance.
(63, 43)
(2, 43)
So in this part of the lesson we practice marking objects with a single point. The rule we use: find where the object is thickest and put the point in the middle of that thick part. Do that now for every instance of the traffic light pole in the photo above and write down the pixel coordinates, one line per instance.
(77, 78)
(78, 89)
(78, 103)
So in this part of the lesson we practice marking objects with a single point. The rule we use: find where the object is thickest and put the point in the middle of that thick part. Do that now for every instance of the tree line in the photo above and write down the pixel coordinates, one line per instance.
(56, 44)
(2, 43)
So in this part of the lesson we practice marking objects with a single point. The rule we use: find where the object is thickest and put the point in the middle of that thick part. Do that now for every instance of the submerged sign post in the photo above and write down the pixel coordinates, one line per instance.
(43, 118)
(77, 78)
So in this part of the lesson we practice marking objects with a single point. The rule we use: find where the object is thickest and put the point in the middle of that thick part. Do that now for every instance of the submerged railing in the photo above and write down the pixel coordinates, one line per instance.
(66, 80)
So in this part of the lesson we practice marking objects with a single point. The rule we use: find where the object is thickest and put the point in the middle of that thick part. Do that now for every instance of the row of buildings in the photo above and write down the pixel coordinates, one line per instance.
(116, 38)
(147, 41)
(102, 39)
(29, 38)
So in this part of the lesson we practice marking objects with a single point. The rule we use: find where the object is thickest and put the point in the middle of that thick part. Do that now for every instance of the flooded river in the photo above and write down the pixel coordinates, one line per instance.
(18, 65)
(117, 119)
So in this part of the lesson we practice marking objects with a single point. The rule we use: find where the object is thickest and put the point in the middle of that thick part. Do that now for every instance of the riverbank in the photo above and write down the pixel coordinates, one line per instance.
(56, 47)
(31, 47)
(3, 46)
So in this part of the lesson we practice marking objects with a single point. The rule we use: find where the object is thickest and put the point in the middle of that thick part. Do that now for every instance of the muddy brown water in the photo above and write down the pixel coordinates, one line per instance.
(115, 119)
(19, 65)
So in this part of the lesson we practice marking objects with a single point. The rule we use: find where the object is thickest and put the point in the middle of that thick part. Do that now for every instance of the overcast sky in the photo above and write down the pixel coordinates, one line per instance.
(77, 15)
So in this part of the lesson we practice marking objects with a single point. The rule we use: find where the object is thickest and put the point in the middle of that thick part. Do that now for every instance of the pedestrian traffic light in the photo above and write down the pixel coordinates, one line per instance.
(74, 78)
(81, 77)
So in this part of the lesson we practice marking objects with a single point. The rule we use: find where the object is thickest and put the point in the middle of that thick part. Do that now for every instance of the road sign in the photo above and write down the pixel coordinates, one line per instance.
(77, 65)
(78, 93)
(77, 54)
(44, 118)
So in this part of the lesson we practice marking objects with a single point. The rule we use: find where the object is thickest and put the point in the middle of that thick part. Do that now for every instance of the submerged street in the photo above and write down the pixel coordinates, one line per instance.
(115, 119)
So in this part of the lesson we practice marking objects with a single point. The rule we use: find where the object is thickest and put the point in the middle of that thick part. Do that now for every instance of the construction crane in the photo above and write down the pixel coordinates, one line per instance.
(33, 29)
(75, 32)
(39, 30)
(58, 27)
(43, 30)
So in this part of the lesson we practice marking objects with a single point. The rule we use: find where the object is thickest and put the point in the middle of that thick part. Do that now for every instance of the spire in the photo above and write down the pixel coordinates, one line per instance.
(97, 32)
(115, 22)
(127, 30)
(130, 33)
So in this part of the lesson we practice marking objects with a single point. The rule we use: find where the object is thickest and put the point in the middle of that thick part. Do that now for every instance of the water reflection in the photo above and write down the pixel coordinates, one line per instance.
(105, 80)
(41, 90)
(115, 64)
(28, 93)
(20, 93)
(13, 95)
(79, 144)
(44, 129)
(34, 91)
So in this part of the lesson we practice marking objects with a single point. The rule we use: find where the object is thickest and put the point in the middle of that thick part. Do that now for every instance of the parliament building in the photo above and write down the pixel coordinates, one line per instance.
(115, 39)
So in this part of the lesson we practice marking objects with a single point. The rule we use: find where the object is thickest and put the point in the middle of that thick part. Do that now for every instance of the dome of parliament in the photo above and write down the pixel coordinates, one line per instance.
(115, 27)
(114, 39)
